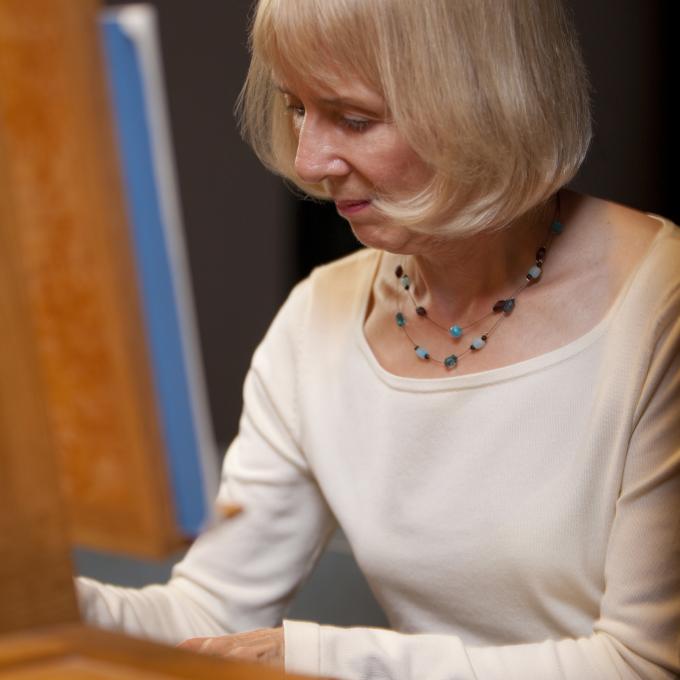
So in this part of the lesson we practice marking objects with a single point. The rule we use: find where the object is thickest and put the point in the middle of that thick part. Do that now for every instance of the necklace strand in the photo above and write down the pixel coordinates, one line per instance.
(503, 307)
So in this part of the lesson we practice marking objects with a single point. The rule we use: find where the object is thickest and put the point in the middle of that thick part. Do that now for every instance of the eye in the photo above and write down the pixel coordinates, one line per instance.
(295, 110)
(355, 124)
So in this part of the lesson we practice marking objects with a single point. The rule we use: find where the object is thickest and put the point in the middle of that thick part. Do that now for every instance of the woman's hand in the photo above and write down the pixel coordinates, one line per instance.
(257, 646)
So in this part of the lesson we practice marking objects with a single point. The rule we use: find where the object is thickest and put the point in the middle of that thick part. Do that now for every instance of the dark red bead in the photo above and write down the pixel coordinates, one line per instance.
(540, 253)
(421, 311)
(484, 338)
(399, 271)
(498, 307)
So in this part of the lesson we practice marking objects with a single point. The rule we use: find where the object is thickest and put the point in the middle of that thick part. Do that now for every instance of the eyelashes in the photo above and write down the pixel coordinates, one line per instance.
(297, 113)
(355, 124)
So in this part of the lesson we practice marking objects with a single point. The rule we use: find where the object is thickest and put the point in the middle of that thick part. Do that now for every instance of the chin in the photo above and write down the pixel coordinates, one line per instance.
(392, 239)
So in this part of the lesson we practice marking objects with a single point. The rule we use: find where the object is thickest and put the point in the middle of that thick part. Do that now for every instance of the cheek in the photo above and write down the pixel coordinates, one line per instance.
(417, 172)
(408, 172)
(399, 166)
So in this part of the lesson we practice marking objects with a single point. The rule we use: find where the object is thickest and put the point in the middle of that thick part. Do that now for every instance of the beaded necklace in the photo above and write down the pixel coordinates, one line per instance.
(501, 309)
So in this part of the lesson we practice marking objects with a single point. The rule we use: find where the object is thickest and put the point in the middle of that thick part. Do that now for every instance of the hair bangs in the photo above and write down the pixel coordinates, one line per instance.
(492, 94)
(314, 42)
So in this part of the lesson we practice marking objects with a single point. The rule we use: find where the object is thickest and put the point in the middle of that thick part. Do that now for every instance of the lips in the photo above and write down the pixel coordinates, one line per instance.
(348, 207)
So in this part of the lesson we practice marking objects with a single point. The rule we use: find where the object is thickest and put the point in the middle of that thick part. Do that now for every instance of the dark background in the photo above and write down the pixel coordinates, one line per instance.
(249, 239)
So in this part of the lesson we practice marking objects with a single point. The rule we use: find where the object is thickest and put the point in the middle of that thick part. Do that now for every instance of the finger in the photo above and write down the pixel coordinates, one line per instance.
(205, 647)
(192, 644)
(260, 653)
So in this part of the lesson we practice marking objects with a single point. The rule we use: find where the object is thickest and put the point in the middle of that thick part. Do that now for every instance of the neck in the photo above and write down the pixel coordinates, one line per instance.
(461, 278)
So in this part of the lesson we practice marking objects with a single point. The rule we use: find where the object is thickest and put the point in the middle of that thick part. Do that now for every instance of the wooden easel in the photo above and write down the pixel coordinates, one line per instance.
(80, 450)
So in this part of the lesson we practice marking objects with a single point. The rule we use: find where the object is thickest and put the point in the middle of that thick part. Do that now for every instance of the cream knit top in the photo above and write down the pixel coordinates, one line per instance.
(522, 522)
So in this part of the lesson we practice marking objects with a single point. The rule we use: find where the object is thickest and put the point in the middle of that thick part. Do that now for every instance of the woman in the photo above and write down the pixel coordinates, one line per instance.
(484, 398)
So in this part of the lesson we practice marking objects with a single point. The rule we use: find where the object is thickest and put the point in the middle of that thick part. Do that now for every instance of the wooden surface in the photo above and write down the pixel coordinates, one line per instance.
(75, 652)
(62, 206)
(35, 571)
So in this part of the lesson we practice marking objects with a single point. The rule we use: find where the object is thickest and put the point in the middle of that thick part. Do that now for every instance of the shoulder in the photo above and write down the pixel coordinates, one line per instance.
(331, 291)
(640, 257)
(612, 247)
(645, 260)
(661, 264)
(346, 271)
(315, 322)
(612, 235)
(657, 286)
(338, 290)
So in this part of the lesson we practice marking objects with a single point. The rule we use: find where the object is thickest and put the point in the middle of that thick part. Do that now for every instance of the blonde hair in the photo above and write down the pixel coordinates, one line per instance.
(492, 94)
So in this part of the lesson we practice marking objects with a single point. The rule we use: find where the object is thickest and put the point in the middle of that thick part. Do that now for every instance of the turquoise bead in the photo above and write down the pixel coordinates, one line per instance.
(456, 331)
(451, 361)
(478, 343)
(422, 352)
(557, 227)
(405, 281)
(401, 321)
(509, 305)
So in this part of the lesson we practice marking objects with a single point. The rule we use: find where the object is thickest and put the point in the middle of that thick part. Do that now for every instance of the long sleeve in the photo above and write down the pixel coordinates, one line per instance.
(375, 654)
(637, 633)
(240, 574)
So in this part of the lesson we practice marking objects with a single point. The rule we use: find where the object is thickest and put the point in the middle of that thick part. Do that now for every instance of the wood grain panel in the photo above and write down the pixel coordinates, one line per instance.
(70, 225)
(35, 571)
(74, 651)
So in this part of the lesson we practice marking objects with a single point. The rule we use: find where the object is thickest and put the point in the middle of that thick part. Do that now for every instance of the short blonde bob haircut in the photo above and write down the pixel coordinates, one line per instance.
(492, 94)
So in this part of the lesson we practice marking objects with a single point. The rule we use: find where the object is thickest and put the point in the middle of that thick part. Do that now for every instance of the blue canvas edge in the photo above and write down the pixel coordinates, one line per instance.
(155, 277)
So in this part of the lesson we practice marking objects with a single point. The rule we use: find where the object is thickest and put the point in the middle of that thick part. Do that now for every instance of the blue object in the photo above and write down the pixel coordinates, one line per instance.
(451, 361)
(456, 331)
(557, 227)
(422, 352)
(401, 321)
(159, 297)
(478, 343)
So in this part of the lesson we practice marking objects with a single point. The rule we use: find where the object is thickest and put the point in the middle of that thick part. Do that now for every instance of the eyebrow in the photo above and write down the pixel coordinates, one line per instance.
(336, 101)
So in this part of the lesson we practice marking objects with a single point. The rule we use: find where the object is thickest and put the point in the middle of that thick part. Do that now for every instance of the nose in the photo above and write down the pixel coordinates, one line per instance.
(318, 155)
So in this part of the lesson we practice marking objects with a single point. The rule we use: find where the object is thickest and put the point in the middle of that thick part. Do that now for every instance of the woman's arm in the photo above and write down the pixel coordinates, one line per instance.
(240, 574)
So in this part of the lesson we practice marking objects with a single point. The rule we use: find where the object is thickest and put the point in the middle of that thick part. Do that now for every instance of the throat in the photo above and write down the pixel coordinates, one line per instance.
(467, 293)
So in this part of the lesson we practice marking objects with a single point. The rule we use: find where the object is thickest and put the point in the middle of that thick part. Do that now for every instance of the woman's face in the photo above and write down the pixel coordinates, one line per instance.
(347, 143)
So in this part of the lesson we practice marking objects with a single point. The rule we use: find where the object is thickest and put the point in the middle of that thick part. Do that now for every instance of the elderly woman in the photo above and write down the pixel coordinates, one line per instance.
(485, 398)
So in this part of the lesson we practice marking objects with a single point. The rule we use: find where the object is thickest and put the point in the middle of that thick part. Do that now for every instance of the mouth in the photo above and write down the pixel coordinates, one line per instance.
(351, 207)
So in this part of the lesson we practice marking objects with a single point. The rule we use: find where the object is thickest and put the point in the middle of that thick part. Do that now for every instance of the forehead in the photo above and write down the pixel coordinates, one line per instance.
(316, 43)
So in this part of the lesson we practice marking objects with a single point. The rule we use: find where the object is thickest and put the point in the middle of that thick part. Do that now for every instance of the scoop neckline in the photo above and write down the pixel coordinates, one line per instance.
(502, 373)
